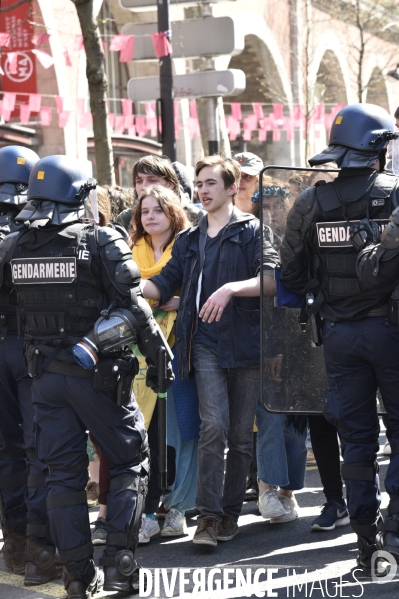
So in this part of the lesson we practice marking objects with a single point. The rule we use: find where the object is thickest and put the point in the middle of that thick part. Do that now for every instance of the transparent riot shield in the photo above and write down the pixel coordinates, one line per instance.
(293, 378)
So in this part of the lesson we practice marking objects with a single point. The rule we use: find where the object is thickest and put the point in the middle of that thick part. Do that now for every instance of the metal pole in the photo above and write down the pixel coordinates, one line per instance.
(166, 86)
(212, 125)
(162, 421)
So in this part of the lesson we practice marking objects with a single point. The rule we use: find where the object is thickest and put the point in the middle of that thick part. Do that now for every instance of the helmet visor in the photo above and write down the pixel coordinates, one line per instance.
(13, 193)
(91, 207)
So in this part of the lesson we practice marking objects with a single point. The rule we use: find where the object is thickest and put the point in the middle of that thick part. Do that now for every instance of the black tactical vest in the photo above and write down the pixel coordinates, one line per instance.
(333, 266)
(57, 277)
(8, 303)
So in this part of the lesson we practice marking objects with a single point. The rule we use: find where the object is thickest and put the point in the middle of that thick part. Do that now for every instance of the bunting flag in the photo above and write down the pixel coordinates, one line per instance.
(119, 123)
(39, 40)
(236, 110)
(276, 135)
(5, 39)
(262, 134)
(68, 61)
(250, 122)
(161, 44)
(278, 111)
(59, 102)
(132, 131)
(150, 109)
(127, 51)
(45, 116)
(151, 124)
(193, 109)
(12, 60)
(111, 119)
(78, 43)
(129, 121)
(9, 101)
(258, 110)
(247, 135)
(63, 118)
(80, 105)
(118, 43)
(127, 107)
(24, 113)
(45, 59)
(35, 102)
(141, 128)
(318, 114)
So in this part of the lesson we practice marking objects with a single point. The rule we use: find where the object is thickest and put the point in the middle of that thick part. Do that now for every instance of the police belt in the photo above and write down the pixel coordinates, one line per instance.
(380, 311)
(58, 367)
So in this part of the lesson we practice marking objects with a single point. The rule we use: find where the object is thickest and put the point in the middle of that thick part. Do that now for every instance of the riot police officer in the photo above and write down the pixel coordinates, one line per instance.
(28, 548)
(326, 227)
(79, 296)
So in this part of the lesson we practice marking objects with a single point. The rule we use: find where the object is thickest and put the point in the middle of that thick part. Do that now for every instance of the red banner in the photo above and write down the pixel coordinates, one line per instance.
(23, 77)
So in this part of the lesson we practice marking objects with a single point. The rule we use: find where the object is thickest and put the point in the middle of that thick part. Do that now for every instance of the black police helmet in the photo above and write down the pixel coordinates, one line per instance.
(363, 127)
(59, 179)
(16, 163)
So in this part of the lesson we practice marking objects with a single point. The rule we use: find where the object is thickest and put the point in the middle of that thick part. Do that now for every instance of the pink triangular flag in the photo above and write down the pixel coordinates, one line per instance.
(85, 120)
(262, 134)
(5, 39)
(68, 61)
(59, 102)
(111, 119)
(129, 121)
(63, 118)
(236, 110)
(149, 109)
(276, 135)
(42, 38)
(35, 102)
(45, 116)
(193, 109)
(45, 59)
(250, 122)
(132, 131)
(141, 126)
(119, 123)
(117, 43)
(127, 107)
(80, 106)
(278, 111)
(78, 44)
(247, 135)
(12, 58)
(161, 43)
(9, 101)
(258, 110)
(127, 51)
(6, 115)
(24, 113)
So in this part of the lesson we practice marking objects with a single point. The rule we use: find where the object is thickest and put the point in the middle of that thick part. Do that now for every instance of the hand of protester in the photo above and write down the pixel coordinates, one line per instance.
(172, 304)
(274, 368)
(364, 233)
(215, 304)
(151, 378)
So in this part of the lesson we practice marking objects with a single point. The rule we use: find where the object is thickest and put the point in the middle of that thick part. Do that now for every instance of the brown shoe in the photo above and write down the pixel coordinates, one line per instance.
(93, 493)
(228, 528)
(206, 533)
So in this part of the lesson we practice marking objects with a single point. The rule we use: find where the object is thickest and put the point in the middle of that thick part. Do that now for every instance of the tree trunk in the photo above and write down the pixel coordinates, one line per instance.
(98, 84)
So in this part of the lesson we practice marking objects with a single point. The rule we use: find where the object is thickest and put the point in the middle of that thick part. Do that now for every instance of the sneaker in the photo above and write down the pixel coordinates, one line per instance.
(290, 506)
(92, 493)
(175, 524)
(387, 448)
(161, 513)
(270, 505)
(206, 533)
(332, 515)
(148, 529)
(227, 529)
(99, 534)
(310, 459)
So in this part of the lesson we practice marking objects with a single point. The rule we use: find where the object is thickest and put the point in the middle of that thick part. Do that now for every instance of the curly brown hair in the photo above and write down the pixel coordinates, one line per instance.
(170, 205)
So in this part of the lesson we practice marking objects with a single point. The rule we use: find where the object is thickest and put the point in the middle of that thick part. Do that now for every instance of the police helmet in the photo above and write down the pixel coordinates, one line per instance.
(359, 134)
(59, 179)
(16, 163)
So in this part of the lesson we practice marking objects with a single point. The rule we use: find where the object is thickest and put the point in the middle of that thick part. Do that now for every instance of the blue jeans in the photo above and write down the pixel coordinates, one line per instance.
(227, 403)
(281, 451)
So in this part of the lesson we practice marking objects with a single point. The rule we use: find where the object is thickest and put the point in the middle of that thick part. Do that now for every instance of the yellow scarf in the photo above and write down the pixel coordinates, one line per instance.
(143, 255)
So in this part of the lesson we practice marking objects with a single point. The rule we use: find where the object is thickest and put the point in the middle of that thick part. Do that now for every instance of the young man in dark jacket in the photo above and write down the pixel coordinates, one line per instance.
(218, 266)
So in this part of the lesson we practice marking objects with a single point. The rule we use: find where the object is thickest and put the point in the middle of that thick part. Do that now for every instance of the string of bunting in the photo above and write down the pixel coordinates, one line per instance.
(138, 125)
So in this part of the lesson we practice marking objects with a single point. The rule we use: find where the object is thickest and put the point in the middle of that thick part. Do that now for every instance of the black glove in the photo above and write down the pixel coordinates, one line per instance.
(151, 378)
(363, 233)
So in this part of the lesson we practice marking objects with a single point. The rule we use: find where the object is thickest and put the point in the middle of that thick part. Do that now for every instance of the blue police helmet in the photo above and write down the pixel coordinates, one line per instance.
(16, 163)
(364, 127)
(59, 179)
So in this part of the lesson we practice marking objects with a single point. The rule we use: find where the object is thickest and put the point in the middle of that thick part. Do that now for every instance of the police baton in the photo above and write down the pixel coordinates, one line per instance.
(162, 420)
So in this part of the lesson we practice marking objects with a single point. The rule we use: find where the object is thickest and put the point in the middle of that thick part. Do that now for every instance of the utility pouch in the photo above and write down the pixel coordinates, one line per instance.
(126, 368)
(393, 307)
(34, 360)
(104, 375)
(314, 319)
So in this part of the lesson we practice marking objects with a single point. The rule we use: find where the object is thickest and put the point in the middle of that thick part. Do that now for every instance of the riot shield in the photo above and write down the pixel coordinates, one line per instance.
(293, 378)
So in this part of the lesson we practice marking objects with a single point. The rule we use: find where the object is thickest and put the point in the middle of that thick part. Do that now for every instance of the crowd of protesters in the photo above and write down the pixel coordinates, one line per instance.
(201, 270)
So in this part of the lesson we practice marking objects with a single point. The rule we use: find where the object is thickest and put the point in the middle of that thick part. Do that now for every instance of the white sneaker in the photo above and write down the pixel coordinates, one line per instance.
(387, 448)
(148, 529)
(270, 505)
(290, 508)
(175, 524)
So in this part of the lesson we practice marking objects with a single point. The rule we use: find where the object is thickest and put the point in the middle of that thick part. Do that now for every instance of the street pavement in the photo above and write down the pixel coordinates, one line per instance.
(290, 560)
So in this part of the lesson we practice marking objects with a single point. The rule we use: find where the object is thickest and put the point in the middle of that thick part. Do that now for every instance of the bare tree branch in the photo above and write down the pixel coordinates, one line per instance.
(8, 8)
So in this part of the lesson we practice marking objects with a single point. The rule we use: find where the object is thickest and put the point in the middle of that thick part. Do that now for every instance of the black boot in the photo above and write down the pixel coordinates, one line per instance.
(14, 546)
(368, 542)
(390, 533)
(41, 563)
(83, 583)
(121, 570)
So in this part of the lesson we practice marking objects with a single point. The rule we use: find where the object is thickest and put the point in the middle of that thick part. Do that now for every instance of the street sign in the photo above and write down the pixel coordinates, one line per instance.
(152, 4)
(204, 84)
(190, 38)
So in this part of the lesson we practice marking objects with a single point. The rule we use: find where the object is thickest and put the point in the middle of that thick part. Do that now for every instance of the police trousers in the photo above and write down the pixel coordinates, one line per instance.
(66, 407)
(362, 357)
(17, 443)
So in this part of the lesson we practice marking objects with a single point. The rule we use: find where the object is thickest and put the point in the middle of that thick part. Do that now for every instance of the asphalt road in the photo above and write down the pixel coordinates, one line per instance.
(287, 560)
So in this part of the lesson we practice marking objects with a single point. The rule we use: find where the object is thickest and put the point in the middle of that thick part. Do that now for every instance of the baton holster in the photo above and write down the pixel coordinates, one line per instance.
(34, 360)
(126, 368)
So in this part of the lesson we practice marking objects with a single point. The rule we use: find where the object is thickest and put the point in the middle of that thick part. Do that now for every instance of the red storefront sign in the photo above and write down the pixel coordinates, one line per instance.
(21, 80)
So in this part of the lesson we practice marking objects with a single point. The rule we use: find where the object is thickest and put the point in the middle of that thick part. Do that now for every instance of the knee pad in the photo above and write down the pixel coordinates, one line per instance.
(361, 471)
